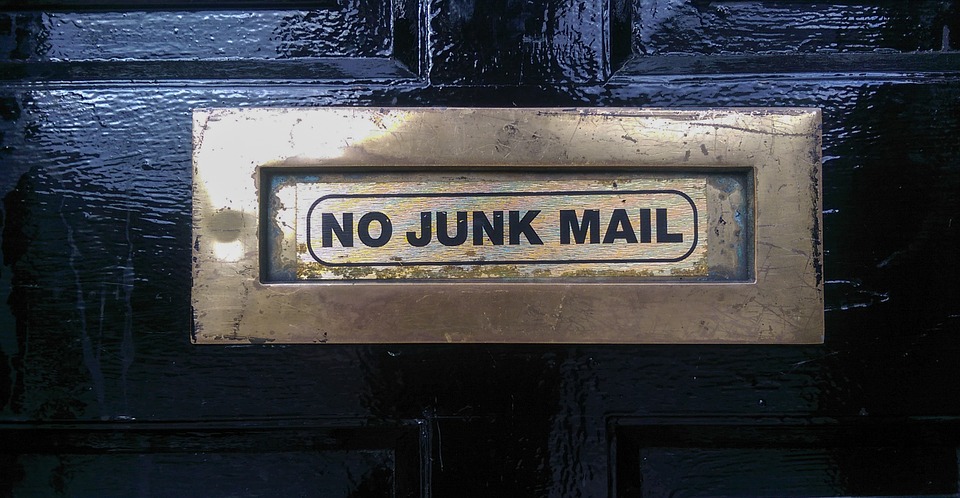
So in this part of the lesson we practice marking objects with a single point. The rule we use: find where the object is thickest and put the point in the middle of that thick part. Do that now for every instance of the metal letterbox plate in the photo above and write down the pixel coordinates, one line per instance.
(339, 225)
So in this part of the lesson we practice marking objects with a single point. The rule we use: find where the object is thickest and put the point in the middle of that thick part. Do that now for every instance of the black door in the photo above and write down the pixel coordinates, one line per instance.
(102, 392)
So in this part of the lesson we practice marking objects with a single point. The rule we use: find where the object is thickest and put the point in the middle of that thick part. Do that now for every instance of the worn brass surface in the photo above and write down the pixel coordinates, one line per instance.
(309, 226)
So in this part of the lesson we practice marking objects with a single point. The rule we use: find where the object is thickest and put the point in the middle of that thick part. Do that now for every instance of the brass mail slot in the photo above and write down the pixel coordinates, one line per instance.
(507, 225)
(540, 225)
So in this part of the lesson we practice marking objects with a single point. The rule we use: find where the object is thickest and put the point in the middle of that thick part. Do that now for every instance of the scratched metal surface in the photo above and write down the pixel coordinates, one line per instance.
(94, 335)
(779, 300)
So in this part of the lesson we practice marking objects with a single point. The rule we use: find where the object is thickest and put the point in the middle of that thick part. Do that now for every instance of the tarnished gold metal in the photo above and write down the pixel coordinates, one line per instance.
(507, 225)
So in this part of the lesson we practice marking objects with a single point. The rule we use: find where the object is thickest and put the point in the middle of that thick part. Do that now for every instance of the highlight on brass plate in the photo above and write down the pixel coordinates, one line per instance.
(338, 225)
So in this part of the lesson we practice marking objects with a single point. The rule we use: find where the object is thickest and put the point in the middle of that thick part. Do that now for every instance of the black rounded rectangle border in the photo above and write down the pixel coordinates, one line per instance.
(693, 246)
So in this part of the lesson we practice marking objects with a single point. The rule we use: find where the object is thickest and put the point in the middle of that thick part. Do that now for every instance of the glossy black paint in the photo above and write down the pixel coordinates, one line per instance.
(98, 376)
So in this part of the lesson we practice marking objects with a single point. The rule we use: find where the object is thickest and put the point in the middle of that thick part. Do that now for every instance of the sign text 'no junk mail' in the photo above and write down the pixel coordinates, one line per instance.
(449, 229)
